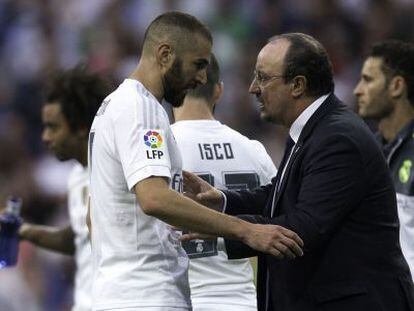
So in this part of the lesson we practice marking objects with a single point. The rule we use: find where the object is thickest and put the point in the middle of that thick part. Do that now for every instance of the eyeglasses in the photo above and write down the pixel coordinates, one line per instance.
(263, 79)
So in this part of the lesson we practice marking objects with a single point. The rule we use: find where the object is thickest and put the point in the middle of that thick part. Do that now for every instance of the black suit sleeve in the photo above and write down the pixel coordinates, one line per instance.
(331, 186)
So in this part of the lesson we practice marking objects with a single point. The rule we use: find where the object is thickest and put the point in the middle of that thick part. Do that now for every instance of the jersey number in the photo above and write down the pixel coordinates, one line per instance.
(235, 180)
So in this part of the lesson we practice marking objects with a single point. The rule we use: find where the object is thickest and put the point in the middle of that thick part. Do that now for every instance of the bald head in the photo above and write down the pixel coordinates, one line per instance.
(273, 56)
(175, 28)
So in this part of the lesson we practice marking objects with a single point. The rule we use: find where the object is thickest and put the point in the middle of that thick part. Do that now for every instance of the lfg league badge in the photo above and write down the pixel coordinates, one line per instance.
(154, 141)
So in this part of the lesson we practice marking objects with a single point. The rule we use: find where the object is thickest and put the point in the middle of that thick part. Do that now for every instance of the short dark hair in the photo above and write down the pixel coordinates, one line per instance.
(206, 91)
(79, 94)
(398, 60)
(178, 27)
(307, 57)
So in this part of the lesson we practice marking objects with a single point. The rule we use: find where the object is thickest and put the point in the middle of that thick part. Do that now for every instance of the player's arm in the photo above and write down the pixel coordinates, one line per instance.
(51, 238)
(158, 200)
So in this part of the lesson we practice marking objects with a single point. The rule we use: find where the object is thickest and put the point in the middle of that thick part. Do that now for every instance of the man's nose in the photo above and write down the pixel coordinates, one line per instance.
(357, 89)
(46, 137)
(254, 87)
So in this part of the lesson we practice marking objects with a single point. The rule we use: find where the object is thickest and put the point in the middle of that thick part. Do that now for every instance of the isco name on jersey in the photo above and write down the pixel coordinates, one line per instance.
(216, 151)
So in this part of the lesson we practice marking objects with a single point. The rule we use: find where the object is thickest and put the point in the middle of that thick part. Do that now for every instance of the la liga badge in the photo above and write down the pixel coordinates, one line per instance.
(153, 139)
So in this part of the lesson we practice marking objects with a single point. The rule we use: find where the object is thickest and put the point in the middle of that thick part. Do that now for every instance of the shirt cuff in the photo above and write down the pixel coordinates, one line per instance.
(223, 207)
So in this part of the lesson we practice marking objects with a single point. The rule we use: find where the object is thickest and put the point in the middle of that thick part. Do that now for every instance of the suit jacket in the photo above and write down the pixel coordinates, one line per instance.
(337, 195)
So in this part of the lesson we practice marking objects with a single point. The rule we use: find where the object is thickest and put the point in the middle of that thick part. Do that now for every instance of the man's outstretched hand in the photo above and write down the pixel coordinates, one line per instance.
(201, 191)
(275, 240)
(270, 239)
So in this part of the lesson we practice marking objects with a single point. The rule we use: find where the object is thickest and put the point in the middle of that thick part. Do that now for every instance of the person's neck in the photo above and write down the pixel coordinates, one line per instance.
(193, 109)
(149, 78)
(391, 125)
(300, 106)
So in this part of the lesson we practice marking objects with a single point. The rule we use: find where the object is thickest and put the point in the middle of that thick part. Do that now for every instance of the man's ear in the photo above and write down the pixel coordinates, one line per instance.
(397, 87)
(218, 90)
(299, 85)
(164, 55)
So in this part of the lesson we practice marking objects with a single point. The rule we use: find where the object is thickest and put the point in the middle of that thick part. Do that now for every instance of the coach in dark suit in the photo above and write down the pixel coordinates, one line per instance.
(333, 189)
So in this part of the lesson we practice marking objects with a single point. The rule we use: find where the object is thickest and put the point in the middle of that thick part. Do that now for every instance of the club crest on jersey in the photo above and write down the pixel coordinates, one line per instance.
(153, 140)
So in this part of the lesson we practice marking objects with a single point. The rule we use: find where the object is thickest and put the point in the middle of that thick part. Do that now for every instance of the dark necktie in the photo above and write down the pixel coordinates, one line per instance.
(288, 149)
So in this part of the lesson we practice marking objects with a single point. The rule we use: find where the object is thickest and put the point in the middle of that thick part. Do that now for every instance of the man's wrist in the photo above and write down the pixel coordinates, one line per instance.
(242, 230)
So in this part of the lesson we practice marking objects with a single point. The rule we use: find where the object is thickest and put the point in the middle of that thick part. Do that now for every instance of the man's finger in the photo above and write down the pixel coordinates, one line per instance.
(189, 187)
(285, 250)
(292, 245)
(196, 236)
(191, 178)
(275, 252)
(292, 235)
(189, 236)
(189, 194)
(206, 196)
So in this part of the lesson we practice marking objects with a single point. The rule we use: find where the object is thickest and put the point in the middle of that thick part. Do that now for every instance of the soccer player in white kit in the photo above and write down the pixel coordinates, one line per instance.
(135, 179)
(72, 99)
(226, 159)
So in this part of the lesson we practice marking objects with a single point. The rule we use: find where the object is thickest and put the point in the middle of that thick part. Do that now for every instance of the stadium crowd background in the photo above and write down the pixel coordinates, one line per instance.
(37, 36)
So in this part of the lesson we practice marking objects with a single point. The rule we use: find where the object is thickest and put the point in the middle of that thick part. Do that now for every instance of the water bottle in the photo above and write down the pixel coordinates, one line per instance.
(10, 222)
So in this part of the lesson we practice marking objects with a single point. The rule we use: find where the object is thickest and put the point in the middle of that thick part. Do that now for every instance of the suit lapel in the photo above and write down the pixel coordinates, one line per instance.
(328, 105)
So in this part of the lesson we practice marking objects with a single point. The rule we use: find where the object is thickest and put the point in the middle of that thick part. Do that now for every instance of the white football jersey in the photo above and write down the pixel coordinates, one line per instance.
(138, 259)
(78, 206)
(226, 159)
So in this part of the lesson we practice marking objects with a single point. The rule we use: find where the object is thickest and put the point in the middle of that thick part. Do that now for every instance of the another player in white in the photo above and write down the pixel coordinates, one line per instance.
(135, 170)
(72, 100)
(226, 159)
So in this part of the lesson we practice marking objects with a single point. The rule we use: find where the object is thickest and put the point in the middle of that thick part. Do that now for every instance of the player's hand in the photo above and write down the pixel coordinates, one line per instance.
(275, 240)
(201, 191)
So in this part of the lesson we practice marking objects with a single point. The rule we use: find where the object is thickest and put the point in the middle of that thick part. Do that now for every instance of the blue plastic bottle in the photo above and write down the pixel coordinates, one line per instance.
(10, 222)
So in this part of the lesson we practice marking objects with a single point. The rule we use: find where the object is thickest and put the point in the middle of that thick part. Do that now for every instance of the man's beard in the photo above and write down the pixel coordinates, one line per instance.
(174, 91)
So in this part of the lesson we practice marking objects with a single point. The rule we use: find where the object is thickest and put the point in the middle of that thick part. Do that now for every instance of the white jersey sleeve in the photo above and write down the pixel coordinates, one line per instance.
(141, 143)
